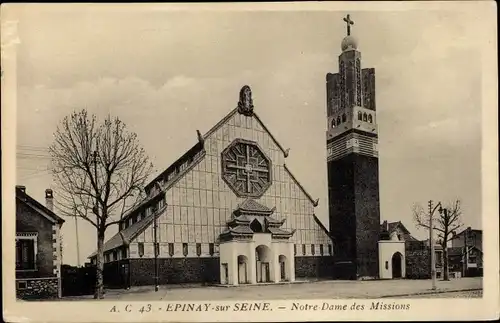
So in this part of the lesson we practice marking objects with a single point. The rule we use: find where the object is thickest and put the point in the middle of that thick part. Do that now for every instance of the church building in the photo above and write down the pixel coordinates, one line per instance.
(231, 212)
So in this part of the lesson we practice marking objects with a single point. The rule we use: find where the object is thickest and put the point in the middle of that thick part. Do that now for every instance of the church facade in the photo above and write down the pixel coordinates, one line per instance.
(233, 213)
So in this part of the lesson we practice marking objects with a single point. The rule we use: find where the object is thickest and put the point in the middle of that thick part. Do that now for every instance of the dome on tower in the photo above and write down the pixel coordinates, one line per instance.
(349, 42)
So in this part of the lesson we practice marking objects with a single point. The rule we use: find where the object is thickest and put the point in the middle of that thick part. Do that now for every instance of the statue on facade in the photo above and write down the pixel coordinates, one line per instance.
(245, 105)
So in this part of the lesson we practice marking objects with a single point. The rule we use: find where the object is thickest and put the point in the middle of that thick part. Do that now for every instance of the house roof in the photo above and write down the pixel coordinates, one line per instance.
(465, 231)
(393, 226)
(36, 206)
(455, 251)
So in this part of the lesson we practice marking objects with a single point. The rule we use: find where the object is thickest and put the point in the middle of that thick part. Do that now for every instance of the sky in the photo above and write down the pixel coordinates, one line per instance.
(167, 74)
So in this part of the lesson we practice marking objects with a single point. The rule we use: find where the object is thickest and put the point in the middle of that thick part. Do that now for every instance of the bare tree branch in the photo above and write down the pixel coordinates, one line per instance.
(99, 188)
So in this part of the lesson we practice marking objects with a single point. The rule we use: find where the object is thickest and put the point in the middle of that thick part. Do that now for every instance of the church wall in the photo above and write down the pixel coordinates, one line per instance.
(314, 267)
(174, 271)
(200, 203)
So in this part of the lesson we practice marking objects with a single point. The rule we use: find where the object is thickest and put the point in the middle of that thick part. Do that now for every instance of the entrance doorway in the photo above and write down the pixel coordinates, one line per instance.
(283, 269)
(397, 260)
(225, 274)
(242, 269)
(262, 261)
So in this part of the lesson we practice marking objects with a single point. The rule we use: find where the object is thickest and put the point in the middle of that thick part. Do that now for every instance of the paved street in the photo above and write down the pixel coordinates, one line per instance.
(466, 294)
(311, 290)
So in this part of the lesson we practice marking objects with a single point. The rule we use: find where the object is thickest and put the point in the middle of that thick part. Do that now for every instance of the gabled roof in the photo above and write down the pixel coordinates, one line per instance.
(455, 251)
(199, 146)
(39, 208)
(393, 226)
(252, 205)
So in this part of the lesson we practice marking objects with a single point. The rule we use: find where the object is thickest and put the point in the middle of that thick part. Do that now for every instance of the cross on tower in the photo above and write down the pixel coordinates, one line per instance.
(349, 22)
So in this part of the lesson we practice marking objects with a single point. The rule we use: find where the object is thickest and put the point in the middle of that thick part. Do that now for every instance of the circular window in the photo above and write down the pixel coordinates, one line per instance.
(246, 169)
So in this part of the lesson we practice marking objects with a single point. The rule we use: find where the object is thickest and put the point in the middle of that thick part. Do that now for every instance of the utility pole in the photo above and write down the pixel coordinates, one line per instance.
(77, 242)
(431, 242)
(96, 211)
(155, 225)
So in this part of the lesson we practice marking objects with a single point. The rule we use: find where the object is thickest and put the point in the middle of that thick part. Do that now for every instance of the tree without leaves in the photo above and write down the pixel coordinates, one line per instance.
(446, 222)
(99, 188)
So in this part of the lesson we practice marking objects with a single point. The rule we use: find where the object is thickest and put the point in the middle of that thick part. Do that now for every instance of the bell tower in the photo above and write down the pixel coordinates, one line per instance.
(352, 159)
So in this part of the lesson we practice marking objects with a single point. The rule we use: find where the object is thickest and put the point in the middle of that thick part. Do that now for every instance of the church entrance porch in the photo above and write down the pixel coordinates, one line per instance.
(254, 249)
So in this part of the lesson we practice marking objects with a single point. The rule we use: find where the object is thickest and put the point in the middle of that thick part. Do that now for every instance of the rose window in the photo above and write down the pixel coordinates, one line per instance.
(246, 169)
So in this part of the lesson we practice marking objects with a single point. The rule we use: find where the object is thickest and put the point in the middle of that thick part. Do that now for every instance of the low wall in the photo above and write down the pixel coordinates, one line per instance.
(174, 271)
(314, 267)
(37, 288)
(418, 260)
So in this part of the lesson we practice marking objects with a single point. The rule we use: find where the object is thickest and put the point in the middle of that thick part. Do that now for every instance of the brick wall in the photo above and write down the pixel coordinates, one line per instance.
(171, 270)
(418, 261)
(37, 288)
(29, 221)
(354, 215)
(314, 267)
(366, 181)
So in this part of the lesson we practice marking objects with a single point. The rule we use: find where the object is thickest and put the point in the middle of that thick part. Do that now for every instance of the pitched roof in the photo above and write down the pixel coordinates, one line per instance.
(132, 231)
(199, 146)
(39, 208)
(393, 226)
(129, 234)
(253, 206)
(455, 251)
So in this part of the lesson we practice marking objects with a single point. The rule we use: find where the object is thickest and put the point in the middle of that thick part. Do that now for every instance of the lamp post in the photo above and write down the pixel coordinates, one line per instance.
(431, 242)
(156, 212)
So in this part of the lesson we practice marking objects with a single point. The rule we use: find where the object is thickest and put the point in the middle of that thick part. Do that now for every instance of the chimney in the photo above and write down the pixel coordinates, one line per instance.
(49, 199)
(386, 226)
(21, 188)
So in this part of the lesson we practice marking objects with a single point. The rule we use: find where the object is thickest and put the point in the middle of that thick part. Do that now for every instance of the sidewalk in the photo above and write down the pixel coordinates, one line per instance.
(312, 290)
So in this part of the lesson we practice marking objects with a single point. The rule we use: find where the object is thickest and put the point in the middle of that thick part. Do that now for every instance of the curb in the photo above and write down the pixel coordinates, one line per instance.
(433, 292)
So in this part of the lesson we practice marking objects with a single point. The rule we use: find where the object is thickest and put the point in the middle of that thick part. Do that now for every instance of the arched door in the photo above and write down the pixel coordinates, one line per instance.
(397, 270)
(242, 269)
(263, 263)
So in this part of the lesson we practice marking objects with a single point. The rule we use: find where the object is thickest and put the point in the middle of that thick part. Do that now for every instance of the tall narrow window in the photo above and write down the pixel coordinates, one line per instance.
(321, 251)
(344, 118)
(330, 250)
(313, 249)
(185, 249)
(171, 249)
(294, 249)
(140, 246)
(365, 118)
(211, 250)
(25, 254)
(360, 115)
(370, 119)
(338, 120)
(333, 123)
(198, 249)
(304, 249)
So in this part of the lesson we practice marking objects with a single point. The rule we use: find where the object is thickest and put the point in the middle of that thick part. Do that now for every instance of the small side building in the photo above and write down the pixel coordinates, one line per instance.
(38, 247)
(466, 253)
